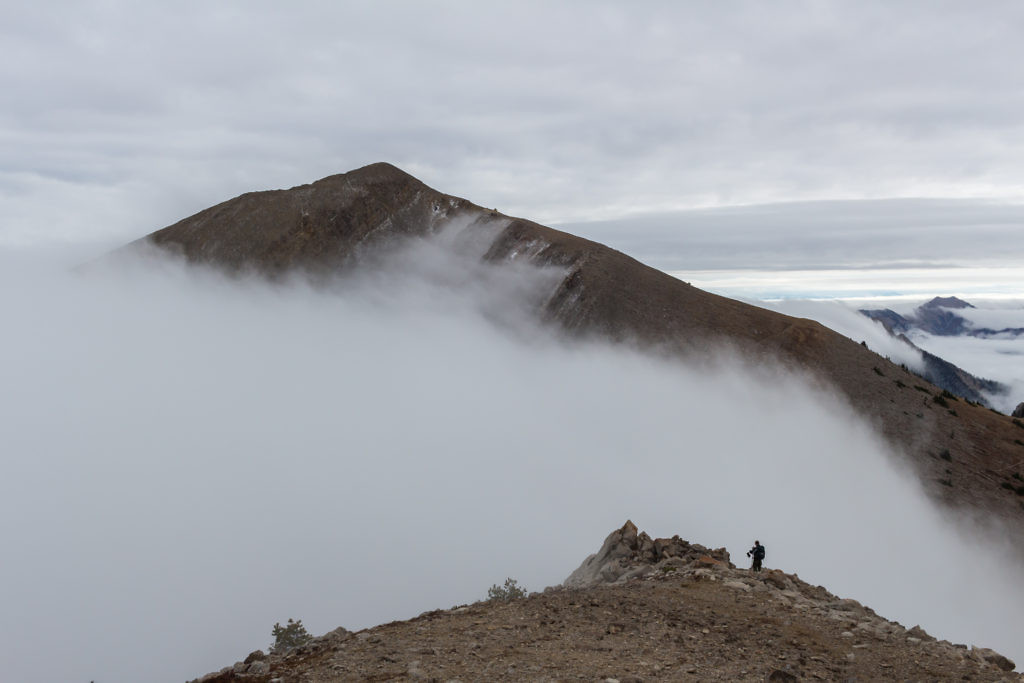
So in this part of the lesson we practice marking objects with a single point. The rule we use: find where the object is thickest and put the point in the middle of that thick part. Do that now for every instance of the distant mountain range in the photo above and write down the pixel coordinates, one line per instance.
(966, 454)
(937, 317)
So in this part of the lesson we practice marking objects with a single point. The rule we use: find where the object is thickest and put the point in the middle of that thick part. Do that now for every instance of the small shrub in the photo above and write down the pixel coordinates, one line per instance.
(946, 394)
(1018, 423)
(1016, 475)
(878, 372)
(1018, 442)
(952, 412)
(900, 384)
(945, 455)
(510, 591)
(940, 400)
(287, 637)
(1008, 486)
(946, 482)
(920, 388)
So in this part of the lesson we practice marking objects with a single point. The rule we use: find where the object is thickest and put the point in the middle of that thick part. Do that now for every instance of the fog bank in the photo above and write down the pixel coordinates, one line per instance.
(851, 323)
(189, 460)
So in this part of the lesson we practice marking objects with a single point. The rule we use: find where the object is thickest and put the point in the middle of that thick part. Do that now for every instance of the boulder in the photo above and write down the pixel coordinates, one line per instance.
(1019, 410)
(776, 578)
(646, 548)
(671, 547)
(919, 632)
(994, 658)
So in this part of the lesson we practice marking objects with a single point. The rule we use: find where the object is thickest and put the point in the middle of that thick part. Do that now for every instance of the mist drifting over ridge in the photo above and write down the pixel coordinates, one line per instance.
(193, 458)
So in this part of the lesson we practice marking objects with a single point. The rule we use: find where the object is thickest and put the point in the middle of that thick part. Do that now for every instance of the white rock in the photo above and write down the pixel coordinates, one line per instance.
(738, 585)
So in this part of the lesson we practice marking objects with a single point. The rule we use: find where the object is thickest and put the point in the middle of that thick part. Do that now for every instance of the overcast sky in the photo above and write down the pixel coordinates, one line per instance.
(118, 118)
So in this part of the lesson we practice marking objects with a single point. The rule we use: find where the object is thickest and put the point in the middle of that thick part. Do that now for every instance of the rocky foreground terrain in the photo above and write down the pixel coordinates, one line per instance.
(640, 609)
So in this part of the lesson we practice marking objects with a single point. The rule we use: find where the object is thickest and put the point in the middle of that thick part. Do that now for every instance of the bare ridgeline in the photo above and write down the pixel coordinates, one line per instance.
(638, 609)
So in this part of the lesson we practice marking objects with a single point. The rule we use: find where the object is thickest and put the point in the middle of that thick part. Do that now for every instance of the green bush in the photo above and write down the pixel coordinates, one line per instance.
(287, 637)
(510, 591)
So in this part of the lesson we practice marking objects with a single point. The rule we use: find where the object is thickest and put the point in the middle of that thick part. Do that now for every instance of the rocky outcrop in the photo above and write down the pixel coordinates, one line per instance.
(627, 554)
(1019, 410)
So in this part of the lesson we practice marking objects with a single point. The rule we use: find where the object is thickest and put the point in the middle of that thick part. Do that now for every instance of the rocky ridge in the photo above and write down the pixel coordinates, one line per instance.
(639, 609)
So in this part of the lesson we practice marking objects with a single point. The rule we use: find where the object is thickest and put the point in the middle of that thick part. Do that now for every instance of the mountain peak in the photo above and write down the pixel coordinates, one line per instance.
(379, 170)
(316, 227)
(946, 302)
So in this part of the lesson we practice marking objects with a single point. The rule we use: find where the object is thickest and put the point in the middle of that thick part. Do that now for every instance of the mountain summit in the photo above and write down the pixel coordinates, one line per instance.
(965, 454)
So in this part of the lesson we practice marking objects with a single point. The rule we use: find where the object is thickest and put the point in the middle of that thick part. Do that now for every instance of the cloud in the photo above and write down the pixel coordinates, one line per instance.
(997, 358)
(902, 234)
(189, 460)
(994, 315)
(676, 106)
(849, 322)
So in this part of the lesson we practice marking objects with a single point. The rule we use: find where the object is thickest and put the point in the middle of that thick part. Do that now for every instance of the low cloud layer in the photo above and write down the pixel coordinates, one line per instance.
(849, 322)
(999, 357)
(842, 235)
(189, 460)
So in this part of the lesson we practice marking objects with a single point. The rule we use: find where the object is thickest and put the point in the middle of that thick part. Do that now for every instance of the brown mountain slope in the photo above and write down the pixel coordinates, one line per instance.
(965, 454)
(667, 610)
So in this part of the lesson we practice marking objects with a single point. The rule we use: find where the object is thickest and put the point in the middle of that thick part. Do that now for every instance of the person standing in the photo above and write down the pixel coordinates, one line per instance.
(757, 552)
